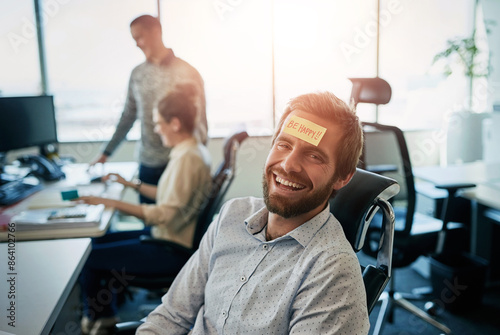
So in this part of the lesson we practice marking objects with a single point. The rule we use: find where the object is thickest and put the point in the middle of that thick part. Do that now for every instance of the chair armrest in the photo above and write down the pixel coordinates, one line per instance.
(171, 246)
(127, 328)
(375, 280)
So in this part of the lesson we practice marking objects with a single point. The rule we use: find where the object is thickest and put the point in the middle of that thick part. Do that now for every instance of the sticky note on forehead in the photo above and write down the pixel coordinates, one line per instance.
(304, 129)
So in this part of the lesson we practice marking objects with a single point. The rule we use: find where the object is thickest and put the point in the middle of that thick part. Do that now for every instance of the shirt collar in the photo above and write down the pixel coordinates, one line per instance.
(302, 234)
(257, 221)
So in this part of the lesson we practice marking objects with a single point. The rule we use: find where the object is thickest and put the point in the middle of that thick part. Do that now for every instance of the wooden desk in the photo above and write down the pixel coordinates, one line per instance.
(44, 274)
(76, 177)
(485, 195)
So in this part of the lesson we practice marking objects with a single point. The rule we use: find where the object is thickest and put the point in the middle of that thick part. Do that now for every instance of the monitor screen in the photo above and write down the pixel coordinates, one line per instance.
(27, 121)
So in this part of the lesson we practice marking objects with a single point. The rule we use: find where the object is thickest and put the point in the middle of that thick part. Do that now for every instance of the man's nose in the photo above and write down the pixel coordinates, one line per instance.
(292, 162)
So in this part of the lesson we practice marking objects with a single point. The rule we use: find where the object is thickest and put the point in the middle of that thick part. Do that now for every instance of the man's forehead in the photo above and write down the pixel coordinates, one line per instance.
(304, 128)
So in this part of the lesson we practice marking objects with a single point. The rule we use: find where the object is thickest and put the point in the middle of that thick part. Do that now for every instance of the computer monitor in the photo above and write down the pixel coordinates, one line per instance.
(27, 121)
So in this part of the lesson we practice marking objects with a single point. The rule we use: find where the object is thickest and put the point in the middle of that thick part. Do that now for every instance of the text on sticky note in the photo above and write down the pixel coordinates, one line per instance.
(304, 129)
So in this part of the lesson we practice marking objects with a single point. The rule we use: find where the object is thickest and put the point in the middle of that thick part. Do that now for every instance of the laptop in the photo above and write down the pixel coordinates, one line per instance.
(80, 215)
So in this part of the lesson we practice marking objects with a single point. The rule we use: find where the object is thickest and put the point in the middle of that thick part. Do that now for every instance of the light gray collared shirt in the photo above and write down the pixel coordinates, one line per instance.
(305, 282)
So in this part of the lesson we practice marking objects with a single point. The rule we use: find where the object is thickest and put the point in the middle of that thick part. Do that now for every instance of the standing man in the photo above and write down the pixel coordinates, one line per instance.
(149, 83)
(282, 264)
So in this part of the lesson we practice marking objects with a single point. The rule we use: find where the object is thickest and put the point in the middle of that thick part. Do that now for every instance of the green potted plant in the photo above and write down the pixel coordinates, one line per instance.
(467, 53)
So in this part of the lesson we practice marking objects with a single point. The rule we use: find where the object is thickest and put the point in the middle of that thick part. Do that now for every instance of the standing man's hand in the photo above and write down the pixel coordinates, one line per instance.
(101, 159)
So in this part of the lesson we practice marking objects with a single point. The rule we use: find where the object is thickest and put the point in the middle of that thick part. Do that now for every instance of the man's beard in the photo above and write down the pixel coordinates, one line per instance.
(288, 208)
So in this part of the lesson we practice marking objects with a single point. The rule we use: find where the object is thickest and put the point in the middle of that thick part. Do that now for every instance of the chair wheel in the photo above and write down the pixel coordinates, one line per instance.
(432, 308)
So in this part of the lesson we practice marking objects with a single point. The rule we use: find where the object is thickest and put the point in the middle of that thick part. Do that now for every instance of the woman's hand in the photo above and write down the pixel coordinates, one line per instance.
(91, 200)
(116, 178)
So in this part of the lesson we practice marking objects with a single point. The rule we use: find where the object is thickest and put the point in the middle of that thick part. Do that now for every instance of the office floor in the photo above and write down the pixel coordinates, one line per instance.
(484, 320)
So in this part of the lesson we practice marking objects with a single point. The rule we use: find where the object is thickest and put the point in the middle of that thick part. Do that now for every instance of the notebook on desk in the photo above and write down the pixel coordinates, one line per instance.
(80, 215)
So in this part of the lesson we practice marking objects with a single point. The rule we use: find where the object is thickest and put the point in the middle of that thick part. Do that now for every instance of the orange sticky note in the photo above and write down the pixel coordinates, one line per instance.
(304, 129)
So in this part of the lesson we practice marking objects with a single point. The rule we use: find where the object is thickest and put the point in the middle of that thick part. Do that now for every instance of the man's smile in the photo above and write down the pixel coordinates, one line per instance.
(288, 184)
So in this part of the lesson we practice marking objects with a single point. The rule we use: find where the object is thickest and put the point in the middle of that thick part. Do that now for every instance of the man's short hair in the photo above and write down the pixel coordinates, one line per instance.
(180, 103)
(328, 106)
(147, 21)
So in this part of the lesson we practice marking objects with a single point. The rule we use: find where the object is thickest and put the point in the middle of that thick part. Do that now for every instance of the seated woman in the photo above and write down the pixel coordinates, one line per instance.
(181, 191)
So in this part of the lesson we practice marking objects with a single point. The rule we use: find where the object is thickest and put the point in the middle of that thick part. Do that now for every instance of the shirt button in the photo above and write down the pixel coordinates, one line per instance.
(243, 278)
(265, 246)
(224, 313)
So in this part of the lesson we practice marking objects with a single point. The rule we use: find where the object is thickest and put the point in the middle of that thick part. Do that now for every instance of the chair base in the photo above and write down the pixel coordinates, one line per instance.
(397, 299)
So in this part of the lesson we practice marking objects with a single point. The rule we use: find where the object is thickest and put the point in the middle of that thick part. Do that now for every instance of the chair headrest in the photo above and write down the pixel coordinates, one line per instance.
(354, 203)
(370, 90)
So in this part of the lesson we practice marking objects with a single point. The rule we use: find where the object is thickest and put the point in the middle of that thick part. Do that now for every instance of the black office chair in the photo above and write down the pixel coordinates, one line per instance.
(222, 179)
(355, 206)
(415, 234)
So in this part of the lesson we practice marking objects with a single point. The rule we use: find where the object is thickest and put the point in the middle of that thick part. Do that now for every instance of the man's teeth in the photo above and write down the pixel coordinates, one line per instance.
(288, 183)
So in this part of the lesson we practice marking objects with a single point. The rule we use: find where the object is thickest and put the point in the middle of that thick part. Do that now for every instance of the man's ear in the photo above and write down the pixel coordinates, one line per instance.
(343, 182)
(176, 124)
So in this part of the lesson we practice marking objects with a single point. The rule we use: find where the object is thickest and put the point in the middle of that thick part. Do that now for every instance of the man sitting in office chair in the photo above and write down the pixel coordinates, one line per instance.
(182, 189)
(281, 264)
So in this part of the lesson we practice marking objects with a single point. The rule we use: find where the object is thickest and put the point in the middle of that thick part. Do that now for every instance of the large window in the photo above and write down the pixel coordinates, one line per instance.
(410, 37)
(252, 52)
(253, 55)
(314, 47)
(230, 43)
(90, 54)
(19, 65)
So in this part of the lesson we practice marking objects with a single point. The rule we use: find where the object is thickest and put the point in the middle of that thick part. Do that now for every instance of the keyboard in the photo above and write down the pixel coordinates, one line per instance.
(18, 189)
(68, 213)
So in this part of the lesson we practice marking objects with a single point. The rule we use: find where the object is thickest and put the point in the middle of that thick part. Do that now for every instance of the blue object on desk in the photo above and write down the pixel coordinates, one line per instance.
(69, 195)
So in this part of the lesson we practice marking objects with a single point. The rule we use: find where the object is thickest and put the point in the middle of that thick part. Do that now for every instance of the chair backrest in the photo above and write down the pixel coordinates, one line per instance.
(370, 90)
(406, 173)
(221, 181)
(354, 206)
